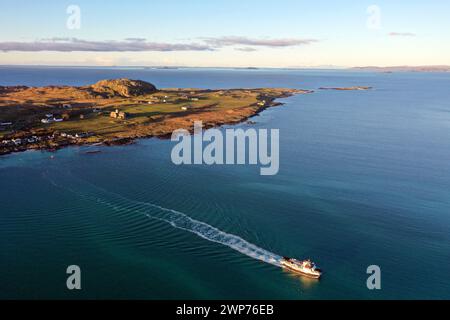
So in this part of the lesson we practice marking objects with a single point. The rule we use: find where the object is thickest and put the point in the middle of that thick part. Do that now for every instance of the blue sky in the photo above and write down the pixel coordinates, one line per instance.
(227, 33)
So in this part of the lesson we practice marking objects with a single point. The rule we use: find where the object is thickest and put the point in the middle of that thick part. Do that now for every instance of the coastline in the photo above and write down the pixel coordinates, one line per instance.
(163, 128)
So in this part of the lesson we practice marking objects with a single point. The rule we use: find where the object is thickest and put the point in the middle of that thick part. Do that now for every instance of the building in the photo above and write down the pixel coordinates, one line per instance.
(33, 139)
(118, 115)
(83, 135)
(262, 103)
(51, 120)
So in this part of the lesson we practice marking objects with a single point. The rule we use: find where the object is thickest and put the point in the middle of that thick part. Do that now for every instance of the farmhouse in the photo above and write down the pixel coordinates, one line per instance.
(118, 115)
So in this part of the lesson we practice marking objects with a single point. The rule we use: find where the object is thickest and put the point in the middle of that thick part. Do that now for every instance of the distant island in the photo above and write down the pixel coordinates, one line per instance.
(118, 112)
(405, 69)
(356, 88)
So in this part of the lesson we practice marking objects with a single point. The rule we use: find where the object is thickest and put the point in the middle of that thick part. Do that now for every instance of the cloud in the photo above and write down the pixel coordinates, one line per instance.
(136, 39)
(402, 34)
(59, 44)
(271, 43)
(74, 44)
(246, 49)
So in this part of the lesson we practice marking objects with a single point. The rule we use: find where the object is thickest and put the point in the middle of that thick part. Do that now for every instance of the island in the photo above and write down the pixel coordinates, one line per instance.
(356, 88)
(118, 111)
(436, 68)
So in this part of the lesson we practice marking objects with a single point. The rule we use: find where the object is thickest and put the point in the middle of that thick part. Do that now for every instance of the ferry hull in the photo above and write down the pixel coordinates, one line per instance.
(308, 275)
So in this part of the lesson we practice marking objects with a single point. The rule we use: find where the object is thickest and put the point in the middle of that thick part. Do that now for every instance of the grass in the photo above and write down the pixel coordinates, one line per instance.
(143, 118)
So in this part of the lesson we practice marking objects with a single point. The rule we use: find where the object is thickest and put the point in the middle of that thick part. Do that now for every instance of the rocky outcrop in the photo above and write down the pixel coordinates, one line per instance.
(123, 87)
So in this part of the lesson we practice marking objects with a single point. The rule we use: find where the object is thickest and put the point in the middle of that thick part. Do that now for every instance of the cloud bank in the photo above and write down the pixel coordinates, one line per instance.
(141, 45)
(74, 44)
(273, 43)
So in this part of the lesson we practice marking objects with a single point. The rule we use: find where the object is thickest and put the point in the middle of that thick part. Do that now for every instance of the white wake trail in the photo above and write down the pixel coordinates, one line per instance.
(182, 221)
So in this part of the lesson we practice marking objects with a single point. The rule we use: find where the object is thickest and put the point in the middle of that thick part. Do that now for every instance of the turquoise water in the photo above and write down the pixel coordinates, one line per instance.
(364, 180)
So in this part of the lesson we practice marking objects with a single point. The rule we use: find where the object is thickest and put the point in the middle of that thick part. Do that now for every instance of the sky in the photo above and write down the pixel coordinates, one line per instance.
(225, 33)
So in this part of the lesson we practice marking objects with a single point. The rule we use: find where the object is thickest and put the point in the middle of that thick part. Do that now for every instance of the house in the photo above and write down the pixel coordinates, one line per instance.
(7, 142)
(4, 124)
(262, 103)
(118, 115)
(49, 115)
(33, 139)
(184, 108)
(17, 142)
(194, 99)
(83, 135)
(51, 120)
(122, 115)
(67, 106)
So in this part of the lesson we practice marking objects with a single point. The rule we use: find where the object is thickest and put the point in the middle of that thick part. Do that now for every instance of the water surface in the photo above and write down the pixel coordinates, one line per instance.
(364, 180)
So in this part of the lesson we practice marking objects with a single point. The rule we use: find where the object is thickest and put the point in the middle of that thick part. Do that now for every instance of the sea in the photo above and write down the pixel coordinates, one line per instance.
(364, 181)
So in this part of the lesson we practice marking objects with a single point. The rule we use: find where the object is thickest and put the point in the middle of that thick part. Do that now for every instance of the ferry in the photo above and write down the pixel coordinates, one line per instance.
(306, 267)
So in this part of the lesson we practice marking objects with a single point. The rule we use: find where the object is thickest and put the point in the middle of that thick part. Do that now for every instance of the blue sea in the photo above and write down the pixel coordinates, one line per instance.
(364, 180)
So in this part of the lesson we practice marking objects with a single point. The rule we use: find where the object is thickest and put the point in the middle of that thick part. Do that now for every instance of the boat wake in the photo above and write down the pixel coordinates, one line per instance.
(182, 221)
(178, 220)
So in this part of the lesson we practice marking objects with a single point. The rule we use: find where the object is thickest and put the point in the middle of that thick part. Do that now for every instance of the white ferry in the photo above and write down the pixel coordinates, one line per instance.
(305, 267)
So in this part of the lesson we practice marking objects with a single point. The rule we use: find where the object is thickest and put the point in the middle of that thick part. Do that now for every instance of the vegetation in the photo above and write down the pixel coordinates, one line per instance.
(86, 112)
